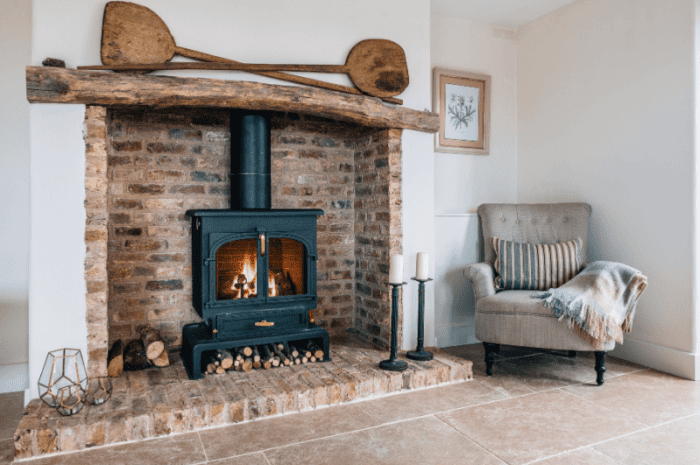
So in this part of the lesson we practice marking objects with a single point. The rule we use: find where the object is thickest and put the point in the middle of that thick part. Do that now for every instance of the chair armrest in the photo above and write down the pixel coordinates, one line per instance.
(481, 276)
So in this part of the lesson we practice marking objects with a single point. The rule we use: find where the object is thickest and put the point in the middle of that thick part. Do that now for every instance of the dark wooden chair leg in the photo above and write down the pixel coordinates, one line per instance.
(600, 366)
(491, 350)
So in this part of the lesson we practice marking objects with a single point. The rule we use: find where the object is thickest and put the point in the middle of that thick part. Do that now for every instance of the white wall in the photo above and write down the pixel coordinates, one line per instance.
(275, 31)
(606, 108)
(463, 182)
(15, 50)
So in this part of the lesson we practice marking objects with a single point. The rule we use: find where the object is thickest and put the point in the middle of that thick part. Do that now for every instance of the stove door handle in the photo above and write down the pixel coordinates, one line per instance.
(265, 323)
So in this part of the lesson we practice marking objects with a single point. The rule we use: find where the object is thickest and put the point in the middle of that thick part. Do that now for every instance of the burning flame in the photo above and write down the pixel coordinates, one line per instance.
(245, 282)
(248, 270)
(246, 287)
(272, 286)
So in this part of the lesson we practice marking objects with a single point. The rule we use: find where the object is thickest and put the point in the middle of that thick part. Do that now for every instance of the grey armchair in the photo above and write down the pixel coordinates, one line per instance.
(513, 317)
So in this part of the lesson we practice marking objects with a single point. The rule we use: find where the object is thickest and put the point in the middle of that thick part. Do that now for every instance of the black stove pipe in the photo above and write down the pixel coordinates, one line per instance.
(250, 160)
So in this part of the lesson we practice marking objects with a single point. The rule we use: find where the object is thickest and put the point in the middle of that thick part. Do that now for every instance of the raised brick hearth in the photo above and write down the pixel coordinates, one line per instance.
(159, 402)
(146, 167)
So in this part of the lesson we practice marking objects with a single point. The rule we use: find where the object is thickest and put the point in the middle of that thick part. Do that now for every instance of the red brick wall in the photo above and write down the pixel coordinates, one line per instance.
(161, 163)
(377, 232)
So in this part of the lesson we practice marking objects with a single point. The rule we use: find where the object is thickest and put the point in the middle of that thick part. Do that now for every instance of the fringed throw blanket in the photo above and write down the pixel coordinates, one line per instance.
(599, 302)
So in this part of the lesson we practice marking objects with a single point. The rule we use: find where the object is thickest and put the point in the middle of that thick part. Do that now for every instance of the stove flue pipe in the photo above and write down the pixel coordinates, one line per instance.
(250, 160)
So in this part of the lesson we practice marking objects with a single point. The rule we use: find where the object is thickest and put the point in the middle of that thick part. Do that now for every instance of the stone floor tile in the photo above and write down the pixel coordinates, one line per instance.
(257, 458)
(429, 401)
(183, 449)
(585, 456)
(423, 441)
(7, 451)
(475, 352)
(525, 375)
(545, 370)
(677, 443)
(536, 426)
(233, 440)
(647, 396)
(11, 406)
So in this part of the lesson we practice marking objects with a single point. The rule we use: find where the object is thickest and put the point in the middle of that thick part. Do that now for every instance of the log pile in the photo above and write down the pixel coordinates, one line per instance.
(262, 357)
(146, 351)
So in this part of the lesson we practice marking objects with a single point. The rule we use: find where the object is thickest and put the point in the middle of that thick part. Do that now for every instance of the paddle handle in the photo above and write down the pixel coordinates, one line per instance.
(252, 67)
(264, 67)
(195, 55)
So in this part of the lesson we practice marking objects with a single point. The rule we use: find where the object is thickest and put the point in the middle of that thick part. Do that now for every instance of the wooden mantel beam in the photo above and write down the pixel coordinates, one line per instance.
(62, 85)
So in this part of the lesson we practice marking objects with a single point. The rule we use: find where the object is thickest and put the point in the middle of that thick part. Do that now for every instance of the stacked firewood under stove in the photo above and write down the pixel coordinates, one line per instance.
(146, 351)
(263, 356)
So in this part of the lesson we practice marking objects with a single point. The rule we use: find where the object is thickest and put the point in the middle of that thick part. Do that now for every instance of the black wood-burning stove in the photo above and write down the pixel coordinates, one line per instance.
(253, 268)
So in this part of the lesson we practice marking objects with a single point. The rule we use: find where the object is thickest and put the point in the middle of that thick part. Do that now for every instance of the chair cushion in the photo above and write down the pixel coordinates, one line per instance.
(515, 303)
(515, 318)
(535, 266)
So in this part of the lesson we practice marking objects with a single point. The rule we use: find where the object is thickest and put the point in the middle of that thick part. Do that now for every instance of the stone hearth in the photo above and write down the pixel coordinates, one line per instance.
(162, 401)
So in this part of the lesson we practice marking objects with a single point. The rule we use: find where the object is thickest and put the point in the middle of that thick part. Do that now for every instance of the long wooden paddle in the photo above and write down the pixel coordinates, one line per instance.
(134, 34)
(376, 66)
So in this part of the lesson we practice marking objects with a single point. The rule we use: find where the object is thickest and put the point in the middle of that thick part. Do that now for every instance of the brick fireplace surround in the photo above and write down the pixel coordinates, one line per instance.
(146, 167)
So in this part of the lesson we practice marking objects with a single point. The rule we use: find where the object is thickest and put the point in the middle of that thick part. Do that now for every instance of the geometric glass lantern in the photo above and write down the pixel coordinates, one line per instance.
(62, 368)
(99, 390)
(70, 399)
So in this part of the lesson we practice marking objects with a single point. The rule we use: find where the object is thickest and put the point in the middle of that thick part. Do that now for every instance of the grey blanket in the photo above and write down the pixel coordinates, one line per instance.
(599, 302)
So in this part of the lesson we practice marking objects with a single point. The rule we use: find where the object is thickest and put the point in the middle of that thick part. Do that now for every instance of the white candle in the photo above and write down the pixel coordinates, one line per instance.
(422, 266)
(396, 269)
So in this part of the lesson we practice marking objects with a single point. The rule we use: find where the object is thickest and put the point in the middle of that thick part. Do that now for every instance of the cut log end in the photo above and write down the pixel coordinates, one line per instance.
(151, 341)
(162, 360)
(115, 359)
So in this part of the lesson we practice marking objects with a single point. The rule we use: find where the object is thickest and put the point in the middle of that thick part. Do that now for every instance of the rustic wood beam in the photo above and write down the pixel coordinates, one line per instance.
(62, 85)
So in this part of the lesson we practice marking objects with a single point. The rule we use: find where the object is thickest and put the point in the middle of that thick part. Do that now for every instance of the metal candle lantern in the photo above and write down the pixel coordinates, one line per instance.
(71, 399)
(62, 368)
(420, 353)
(99, 391)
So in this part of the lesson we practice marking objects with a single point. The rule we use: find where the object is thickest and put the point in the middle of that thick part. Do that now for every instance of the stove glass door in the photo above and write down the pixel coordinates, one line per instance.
(236, 270)
(287, 267)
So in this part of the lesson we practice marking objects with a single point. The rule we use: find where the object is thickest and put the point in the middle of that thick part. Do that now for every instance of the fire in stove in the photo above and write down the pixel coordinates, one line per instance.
(238, 269)
(244, 285)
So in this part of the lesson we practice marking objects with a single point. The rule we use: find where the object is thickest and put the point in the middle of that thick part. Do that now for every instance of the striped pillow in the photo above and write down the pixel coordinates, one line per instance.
(535, 266)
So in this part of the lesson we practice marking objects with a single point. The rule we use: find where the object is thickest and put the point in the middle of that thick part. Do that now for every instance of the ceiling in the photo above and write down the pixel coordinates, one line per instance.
(511, 13)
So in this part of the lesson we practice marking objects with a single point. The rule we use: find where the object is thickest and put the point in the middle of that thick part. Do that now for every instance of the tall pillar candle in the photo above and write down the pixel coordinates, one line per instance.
(396, 269)
(422, 266)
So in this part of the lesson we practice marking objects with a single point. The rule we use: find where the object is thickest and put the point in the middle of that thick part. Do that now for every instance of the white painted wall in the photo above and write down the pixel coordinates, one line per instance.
(275, 31)
(463, 182)
(15, 51)
(606, 115)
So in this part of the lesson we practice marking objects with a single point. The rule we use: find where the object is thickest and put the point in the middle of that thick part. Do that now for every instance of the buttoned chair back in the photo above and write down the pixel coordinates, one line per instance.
(536, 223)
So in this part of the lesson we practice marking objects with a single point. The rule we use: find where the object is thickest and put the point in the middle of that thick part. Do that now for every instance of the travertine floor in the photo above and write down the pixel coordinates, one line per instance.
(538, 408)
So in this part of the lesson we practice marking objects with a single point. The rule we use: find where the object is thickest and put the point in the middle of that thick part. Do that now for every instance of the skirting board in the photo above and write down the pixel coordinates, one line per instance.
(675, 362)
(14, 378)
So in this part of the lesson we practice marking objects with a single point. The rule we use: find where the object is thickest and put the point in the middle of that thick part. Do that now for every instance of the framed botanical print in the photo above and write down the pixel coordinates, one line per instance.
(463, 101)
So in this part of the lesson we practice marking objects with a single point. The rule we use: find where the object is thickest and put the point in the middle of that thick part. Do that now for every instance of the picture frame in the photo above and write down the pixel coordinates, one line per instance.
(463, 101)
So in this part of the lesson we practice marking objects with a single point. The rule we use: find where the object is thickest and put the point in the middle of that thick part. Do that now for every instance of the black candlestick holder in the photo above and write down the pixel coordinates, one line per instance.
(420, 353)
(394, 364)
